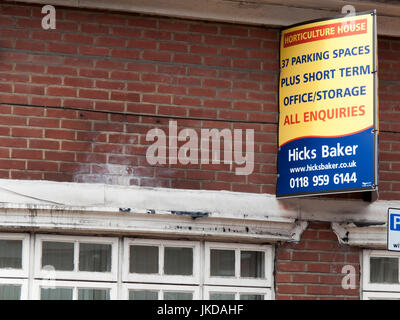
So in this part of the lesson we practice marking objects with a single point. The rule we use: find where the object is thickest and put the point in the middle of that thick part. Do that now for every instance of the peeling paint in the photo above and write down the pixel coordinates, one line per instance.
(368, 224)
(193, 214)
(346, 238)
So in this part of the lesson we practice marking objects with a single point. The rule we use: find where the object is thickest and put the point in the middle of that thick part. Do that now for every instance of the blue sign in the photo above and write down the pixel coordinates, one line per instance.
(393, 235)
(317, 164)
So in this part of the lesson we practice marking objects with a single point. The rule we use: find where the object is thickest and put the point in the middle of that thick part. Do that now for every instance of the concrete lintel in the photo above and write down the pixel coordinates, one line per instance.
(49, 206)
(362, 235)
(215, 204)
(45, 218)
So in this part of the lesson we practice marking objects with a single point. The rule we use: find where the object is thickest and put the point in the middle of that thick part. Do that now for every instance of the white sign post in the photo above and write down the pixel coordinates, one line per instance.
(393, 236)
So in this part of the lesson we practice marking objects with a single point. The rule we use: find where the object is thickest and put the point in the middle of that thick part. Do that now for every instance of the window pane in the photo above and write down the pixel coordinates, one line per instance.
(60, 255)
(10, 292)
(251, 297)
(222, 263)
(143, 295)
(94, 257)
(11, 254)
(222, 296)
(56, 294)
(178, 296)
(143, 259)
(93, 294)
(252, 264)
(384, 270)
(178, 261)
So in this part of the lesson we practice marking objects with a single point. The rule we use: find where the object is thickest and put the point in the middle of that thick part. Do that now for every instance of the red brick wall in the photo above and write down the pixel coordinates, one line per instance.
(131, 64)
(128, 63)
(312, 268)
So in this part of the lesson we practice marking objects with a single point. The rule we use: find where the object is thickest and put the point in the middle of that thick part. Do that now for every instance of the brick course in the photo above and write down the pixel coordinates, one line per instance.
(128, 64)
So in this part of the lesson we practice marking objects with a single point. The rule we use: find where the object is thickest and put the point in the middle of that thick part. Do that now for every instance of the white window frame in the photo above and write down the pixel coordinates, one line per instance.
(388, 287)
(161, 277)
(368, 295)
(195, 290)
(22, 282)
(237, 291)
(76, 274)
(119, 281)
(237, 280)
(74, 285)
(24, 271)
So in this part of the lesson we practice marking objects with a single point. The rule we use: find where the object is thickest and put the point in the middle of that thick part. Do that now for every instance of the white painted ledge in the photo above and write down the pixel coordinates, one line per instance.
(43, 218)
(45, 206)
(362, 235)
(217, 204)
(100, 208)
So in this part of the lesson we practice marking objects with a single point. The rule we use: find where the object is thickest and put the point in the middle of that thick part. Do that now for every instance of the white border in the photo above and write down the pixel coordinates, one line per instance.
(237, 280)
(24, 271)
(266, 292)
(77, 275)
(22, 282)
(370, 295)
(367, 286)
(195, 290)
(75, 285)
(161, 277)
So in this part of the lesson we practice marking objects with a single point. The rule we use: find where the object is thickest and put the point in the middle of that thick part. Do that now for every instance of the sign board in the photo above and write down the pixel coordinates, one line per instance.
(393, 236)
(328, 107)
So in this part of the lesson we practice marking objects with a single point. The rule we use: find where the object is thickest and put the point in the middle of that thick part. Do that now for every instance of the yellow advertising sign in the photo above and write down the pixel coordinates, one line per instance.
(327, 89)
